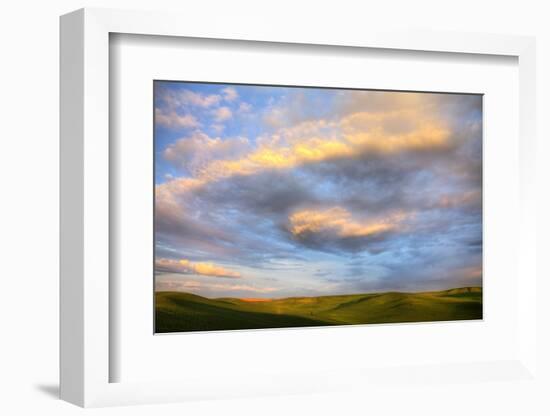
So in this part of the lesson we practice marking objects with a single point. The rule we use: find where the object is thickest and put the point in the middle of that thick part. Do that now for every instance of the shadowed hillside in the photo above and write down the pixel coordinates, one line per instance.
(181, 312)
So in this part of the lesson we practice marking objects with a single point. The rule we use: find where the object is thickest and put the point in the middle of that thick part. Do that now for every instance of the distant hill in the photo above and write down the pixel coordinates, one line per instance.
(182, 312)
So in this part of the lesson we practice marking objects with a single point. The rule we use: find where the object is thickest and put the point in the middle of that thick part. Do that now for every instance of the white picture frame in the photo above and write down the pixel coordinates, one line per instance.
(85, 209)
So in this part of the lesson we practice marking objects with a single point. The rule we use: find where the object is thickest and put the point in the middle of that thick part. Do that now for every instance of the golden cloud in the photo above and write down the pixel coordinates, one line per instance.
(359, 133)
(339, 221)
(163, 284)
(185, 266)
(353, 141)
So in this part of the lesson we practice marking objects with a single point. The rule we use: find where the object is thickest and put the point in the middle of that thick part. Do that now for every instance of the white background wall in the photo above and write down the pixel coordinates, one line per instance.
(29, 188)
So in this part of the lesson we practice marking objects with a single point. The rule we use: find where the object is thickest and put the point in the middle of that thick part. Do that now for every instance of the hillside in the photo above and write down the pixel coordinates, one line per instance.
(181, 312)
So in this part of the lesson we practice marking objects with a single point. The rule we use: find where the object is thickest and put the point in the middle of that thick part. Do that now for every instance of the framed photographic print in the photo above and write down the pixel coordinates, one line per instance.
(284, 213)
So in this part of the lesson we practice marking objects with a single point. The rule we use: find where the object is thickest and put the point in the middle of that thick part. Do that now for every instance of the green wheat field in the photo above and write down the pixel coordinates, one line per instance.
(184, 312)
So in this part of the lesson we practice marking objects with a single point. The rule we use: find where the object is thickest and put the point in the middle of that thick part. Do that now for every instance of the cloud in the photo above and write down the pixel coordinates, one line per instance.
(172, 284)
(194, 152)
(184, 266)
(238, 219)
(394, 132)
(173, 120)
(335, 229)
(294, 107)
(184, 98)
(222, 114)
(406, 169)
(339, 221)
(462, 199)
(353, 137)
(230, 94)
(244, 108)
(217, 128)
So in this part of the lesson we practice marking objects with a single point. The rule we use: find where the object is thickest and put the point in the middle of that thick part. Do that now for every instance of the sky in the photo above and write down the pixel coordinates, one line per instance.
(270, 192)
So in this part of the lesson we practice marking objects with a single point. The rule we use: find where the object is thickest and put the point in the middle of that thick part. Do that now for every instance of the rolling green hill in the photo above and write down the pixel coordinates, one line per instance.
(181, 312)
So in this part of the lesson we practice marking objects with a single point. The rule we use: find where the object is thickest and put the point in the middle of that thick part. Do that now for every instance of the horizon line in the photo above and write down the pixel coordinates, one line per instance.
(320, 296)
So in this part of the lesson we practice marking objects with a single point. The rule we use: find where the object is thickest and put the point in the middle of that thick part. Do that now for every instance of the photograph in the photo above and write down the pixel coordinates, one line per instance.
(281, 206)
